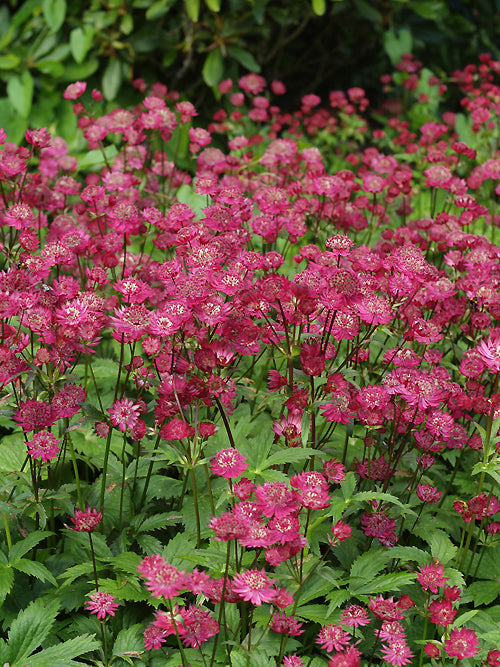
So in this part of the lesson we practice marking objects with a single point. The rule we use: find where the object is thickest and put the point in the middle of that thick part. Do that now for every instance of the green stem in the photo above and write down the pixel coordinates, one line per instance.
(75, 470)
(105, 467)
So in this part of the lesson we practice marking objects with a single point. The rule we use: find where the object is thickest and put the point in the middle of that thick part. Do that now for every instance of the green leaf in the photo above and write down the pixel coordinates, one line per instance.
(61, 655)
(9, 61)
(80, 41)
(20, 93)
(379, 495)
(369, 564)
(158, 9)
(293, 455)
(319, 7)
(6, 581)
(213, 68)
(245, 58)
(318, 613)
(337, 599)
(213, 5)
(30, 629)
(482, 592)
(54, 12)
(192, 9)
(397, 44)
(410, 553)
(95, 159)
(383, 583)
(129, 639)
(127, 24)
(128, 562)
(22, 547)
(112, 79)
(442, 547)
(348, 484)
(34, 569)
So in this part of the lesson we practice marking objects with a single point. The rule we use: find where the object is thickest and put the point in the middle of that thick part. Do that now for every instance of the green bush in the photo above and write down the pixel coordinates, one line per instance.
(191, 45)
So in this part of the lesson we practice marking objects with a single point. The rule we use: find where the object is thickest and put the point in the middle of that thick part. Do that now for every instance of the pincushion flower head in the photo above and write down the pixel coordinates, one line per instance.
(124, 414)
(254, 586)
(43, 445)
(489, 351)
(463, 643)
(162, 578)
(102, 604)
(86, 522)
(431, 576)
(228, 463)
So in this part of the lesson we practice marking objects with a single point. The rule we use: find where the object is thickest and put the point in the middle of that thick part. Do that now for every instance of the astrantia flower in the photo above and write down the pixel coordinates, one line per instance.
(431, 576)
(154, 637)
(124, 414)
(441, 612)
(86, 522)
(228, 463)
(74, 90)
(292, 661)
(385, 609)
(463, 643)
(351, 657)
(332, 637)
(33, 414)
(286, 625)
(254, 586)
(102, 604)
(199, 626)
(162, 579)
(43, 445)
(397, 653)
(427, 493)
(355, 616)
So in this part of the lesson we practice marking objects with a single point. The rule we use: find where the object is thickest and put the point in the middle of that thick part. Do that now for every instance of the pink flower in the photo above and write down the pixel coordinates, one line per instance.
(74, 90)
(43, 445)
(286, 625)
(351, 657)
(427, 493)
(463, 643)
(385, 609)
(342, 531)
(355, 616)
(292, 661)
(431, 576)
(228, 463)
(254, 586)
(332, 637)
(102, 604)
(397, 653)
(124, 414)
(86, 522)
(154, 637)
(161, 577)
(441, 612)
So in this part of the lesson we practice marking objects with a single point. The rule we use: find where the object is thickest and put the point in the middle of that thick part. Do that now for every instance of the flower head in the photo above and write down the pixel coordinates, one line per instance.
(431, 576)
(332, 637)
(161, 577)
(102, 604)
(463, 643)
(86, 522)
(43, 445)
(228, 463)
(254, 586)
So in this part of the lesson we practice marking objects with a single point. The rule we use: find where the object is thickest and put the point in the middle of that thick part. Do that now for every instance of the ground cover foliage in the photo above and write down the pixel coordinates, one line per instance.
(250, 401)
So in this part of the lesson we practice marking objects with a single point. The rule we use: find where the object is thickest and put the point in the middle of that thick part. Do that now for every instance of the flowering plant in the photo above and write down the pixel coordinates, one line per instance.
(261, 383)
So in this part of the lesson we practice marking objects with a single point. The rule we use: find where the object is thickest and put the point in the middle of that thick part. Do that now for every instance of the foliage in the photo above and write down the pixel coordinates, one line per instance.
(249, 375)
(192, 45)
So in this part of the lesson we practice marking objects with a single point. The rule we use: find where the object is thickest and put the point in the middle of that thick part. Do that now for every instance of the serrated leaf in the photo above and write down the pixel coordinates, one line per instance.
(442, 547)
(348, 484)
(128, 562)
(410, 553)
(337, 599)
(54, 12)
(369, 564)
(379, 495)
(74, 572)
(213, 68)
(61, 655)
(34, 569)
(482, 592)
(19, 549)
(129, 639)
(6, 581)
(112, 79)
(382, 583)
(318, 613)
(293, 455)
(30, 629)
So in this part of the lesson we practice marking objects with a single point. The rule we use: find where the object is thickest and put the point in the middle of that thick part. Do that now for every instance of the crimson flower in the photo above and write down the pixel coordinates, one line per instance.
(463, 643)
(102, 604)
(254, 586)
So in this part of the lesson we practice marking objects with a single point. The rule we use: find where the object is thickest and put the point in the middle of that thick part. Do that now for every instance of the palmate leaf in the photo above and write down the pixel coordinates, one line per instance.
(369, 564)
(384, 583)
(287, 456)
(30, 629)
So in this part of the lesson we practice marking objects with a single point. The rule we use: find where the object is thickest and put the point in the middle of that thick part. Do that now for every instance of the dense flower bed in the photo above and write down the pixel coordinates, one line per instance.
(250, 381)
